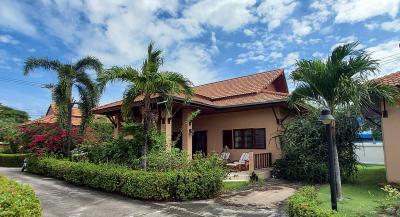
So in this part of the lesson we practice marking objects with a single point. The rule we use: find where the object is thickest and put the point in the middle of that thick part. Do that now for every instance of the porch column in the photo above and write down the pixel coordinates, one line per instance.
(187, 132)
(166, 128)
(251, 162)
(118, 122)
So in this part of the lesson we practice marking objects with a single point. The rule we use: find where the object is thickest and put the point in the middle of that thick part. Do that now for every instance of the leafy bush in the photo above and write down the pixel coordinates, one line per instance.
(123, 151)
(162, 161)
(195, 183)
(102, 129)
(18, 200)
(304, 203)
(305, 152)
(391, 204)
(46, 138)
(12, 160)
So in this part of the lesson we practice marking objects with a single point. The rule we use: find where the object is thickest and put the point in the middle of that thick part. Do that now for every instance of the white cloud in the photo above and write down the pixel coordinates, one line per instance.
(351, 11)
(393, 26)
(318, 55)
(14, 16)
(214, 47)
(8, 39)
(274, 12)
(194, 61)
(226, 14)
(371, 25)
(301, 28)
(382, 52)
(32, 50)
(290, 59)
(248, 32)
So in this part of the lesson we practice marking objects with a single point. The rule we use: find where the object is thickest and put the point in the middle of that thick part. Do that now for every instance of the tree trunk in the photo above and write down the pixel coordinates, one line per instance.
(336, 164)
(146, 128)
(68, 128)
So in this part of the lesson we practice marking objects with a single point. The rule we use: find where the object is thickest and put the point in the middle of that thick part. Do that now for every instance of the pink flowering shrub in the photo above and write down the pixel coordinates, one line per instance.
(45, 138)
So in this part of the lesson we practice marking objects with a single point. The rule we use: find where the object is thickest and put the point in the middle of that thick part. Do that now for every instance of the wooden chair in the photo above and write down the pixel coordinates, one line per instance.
(225, 156)
(242, 164)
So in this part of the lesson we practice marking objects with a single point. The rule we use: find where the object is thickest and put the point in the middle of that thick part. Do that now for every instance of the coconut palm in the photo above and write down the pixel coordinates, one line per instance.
(147, 82)
(70, 77)
(339, 82)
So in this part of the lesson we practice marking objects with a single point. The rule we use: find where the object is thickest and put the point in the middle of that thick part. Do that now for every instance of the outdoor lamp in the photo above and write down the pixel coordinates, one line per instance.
(326, 116)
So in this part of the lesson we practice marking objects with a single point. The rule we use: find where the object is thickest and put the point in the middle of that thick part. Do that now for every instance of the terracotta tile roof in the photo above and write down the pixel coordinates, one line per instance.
(51, 117)
(250, 89)
(391, 79)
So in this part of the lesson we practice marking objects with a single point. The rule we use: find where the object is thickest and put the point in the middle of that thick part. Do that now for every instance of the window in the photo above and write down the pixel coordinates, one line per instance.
(249, 138)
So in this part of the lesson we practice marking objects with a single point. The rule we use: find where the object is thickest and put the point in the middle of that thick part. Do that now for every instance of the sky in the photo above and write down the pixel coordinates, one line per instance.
(206, 40)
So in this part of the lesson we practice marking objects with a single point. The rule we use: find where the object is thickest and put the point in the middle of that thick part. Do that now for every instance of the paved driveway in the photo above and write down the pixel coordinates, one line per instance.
(61, 199)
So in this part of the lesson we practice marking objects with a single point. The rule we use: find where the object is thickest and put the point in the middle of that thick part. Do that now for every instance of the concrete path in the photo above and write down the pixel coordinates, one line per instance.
(61, 199)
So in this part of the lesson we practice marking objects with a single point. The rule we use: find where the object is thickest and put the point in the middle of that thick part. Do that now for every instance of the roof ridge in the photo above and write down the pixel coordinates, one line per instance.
(244, 76)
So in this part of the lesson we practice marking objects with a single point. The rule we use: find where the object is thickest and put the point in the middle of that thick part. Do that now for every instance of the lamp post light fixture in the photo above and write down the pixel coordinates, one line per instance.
(327, 119)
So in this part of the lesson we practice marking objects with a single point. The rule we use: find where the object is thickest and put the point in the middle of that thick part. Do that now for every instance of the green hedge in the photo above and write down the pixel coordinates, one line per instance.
(177, 185)
(304, 203)
(12, 160)
(18, 200)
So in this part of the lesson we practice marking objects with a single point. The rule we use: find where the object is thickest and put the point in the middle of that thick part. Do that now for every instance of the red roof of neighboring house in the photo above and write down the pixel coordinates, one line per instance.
(391, 79)
(264, 87)
(51, 117)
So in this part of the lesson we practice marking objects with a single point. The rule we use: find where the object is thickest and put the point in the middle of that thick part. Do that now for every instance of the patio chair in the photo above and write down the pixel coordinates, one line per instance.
(240, 165)
(225, 156)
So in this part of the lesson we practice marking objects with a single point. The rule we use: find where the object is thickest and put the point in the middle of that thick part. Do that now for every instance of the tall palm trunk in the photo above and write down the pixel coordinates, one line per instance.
(146, 128)
(68, 128)
(336, 164)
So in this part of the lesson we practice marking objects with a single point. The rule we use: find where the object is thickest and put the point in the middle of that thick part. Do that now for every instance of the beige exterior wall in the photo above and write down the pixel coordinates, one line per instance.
(214, 124)
(391, 142)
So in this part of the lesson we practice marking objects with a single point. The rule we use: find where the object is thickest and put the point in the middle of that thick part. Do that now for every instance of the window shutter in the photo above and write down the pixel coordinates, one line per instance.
(227, 138)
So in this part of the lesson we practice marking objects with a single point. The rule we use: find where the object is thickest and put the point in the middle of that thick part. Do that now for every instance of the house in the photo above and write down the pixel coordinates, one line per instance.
(390, 115)
(244, 114)
(51, 117)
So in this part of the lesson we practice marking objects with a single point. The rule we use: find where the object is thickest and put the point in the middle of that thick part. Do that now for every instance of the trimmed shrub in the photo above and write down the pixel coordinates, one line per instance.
(12, 160)
(176, 185)
(304, 203)
(18, 200)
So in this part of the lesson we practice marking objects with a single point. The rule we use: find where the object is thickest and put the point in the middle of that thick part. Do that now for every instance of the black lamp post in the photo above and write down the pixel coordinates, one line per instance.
(326, 118)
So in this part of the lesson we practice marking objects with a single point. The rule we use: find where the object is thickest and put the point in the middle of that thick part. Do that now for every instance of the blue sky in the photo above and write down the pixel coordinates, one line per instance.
(206, 40)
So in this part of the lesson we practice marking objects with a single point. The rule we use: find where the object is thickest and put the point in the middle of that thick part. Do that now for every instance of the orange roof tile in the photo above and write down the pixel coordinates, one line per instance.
(250, 89)
(391, 79)
(51, 117)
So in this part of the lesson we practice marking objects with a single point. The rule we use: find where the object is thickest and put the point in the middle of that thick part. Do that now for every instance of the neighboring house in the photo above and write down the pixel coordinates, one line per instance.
(51, 117)
(391, 130)
(245, 114)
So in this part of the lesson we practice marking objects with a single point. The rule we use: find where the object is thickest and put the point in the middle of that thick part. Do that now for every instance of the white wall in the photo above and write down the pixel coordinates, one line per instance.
(370, 153)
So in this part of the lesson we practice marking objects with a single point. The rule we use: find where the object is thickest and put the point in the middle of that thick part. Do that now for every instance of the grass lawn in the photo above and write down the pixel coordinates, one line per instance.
(359, 196)
(235, 185)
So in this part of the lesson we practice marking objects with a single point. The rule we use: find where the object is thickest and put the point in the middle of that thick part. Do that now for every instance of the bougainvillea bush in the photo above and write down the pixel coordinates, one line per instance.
(45, 138)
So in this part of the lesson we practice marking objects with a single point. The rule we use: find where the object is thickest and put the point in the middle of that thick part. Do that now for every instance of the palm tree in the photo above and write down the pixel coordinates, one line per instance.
(340, 82)
(147, 82)
(71, 76)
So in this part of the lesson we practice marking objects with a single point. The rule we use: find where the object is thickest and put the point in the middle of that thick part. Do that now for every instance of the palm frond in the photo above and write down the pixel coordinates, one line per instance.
(32, 63)
(115, 73)
(130, 94)
(89, 62)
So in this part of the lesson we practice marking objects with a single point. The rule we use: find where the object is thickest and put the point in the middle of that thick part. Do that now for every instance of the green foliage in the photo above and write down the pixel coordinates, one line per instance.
(162, 161)
(17, 200)
(305, 152)
(123, 151)
(102, 129)
(12, 160)
(391, 204)
(196, 183)
(304, 203)
(9, 120)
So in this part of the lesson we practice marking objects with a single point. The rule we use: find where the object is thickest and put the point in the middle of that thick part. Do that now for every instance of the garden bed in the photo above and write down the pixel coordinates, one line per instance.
(174, 185)
(18, 200)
